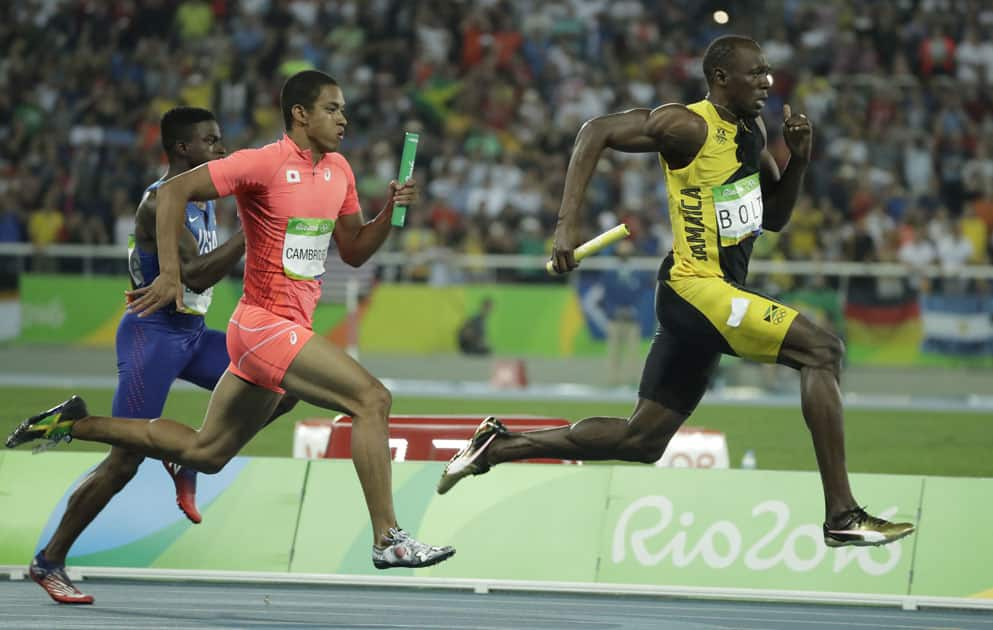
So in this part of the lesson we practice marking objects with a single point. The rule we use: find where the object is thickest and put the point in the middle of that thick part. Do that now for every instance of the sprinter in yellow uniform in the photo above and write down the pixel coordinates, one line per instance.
(724, 190)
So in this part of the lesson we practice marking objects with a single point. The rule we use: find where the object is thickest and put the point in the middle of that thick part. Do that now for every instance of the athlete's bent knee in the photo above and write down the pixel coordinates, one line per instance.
(838, 350)
(206, 461)
(375, 402)
(212, 464)
(829, 353)
(650, 453)
(644, 450)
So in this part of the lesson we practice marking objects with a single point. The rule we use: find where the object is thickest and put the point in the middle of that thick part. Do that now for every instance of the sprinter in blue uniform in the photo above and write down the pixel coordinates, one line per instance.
(153, 351)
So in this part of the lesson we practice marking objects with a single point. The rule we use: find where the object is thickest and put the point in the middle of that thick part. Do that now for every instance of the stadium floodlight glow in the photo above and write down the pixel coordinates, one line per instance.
(721, 16)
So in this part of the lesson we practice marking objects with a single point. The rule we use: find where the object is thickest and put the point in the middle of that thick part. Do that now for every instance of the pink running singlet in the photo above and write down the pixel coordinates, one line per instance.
(288, 207)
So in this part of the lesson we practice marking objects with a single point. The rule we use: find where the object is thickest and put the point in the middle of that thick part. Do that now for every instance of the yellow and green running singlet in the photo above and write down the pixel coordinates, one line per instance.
(715, 202)
(715, 206)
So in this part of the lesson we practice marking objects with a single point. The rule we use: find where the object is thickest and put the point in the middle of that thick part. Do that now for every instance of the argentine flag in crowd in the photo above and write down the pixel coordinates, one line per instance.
(959, 325)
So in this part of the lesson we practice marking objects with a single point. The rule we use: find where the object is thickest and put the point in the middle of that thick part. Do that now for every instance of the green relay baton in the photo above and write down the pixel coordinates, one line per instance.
(406, 172)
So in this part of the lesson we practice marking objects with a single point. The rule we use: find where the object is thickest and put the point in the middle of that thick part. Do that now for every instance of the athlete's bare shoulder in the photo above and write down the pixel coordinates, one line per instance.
(680, 131)
(677, 111)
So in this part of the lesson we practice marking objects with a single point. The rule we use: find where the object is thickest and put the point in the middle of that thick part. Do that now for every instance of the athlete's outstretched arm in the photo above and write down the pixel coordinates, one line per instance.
(198, 272)
(358, 240)
(780, 191)
(673, 131)
(193, 185)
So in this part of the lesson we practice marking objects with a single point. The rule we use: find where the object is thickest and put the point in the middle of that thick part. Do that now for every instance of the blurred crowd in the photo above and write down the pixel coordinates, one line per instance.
(900, 94)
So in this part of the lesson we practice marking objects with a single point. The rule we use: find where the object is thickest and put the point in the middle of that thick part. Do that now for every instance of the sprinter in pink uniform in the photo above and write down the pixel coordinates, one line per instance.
(293, 196)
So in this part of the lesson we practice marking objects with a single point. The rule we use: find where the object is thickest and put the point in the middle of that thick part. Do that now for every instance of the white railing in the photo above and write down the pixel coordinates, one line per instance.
(802, 268)
(88, 254)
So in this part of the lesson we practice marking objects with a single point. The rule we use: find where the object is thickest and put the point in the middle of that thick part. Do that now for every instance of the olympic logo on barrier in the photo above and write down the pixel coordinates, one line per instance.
(722, 543)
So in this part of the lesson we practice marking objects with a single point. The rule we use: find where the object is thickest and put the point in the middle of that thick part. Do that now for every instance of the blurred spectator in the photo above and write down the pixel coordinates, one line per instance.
(194, 19)
(974, 230)
(417, 240)
(918, 254)
(977, 173)
(803, 228)
(472, 332)
(12, 218)
(879, 225)
(123, 210)
(623, 288)
(937, 53)
(860, 247)
(901, 96)
(918, 164)
(532, 242)
(971, 57)
(45, 226)
(954, 250)
(46, 223)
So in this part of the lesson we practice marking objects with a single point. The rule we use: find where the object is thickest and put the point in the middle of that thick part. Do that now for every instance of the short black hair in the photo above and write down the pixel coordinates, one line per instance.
(721, 51)
(302, 88)
(177, 125)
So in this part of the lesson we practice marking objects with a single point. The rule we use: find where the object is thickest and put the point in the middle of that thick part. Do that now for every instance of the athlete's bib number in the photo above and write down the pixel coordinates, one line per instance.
(305, 247)
(739, 210)
(195, 303)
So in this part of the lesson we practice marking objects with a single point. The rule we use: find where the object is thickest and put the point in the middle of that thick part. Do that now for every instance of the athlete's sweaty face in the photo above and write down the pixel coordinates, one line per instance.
(749, 78)
(205, 143)
(326, 120)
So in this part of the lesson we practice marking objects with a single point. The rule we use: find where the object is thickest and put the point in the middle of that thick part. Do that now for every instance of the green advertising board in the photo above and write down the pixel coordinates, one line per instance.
(249, 526)
(85, 310)
(618, 524)
(29, 488)
(954, 547)
(484, 524)
(527, 320)
(399, 318)
(747, 529)
(250, 514)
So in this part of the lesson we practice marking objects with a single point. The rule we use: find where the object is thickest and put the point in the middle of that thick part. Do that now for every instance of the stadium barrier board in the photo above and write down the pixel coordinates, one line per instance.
(611, 524)
(527, 320)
